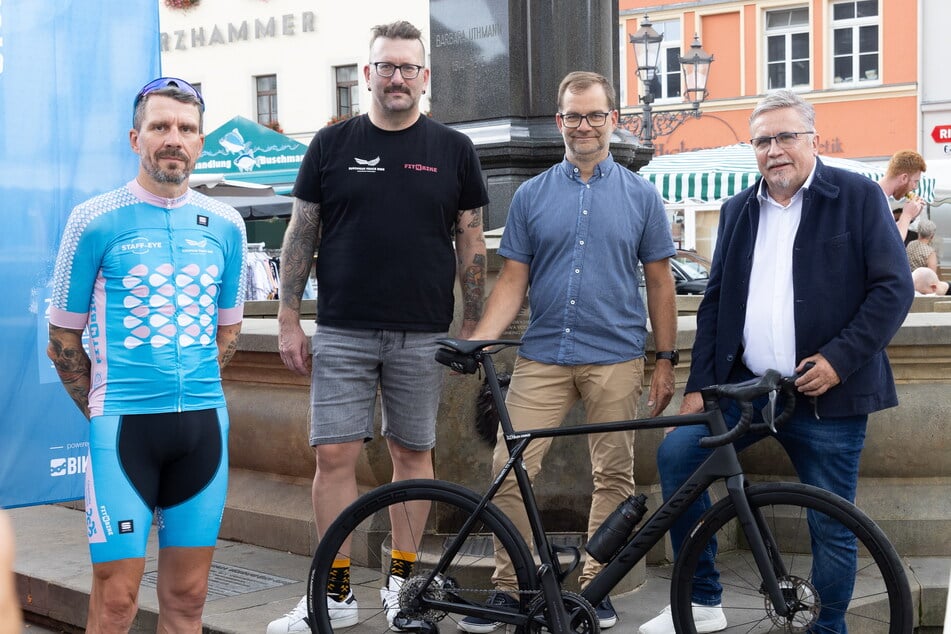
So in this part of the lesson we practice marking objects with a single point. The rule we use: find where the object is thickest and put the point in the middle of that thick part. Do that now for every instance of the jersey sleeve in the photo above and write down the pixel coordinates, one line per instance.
(234, 278)
(74, 275)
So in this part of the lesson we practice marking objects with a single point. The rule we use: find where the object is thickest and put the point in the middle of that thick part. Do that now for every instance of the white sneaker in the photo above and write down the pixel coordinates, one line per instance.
(708, 618)
(390, 596)
(342, 614)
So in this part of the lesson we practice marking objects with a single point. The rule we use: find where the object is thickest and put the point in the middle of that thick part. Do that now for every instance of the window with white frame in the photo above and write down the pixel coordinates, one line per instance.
(666, 84)
(787, 48)
(855, 42)
(348, 97)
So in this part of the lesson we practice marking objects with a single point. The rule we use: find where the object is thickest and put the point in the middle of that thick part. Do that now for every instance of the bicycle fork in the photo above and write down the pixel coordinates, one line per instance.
(761, 543)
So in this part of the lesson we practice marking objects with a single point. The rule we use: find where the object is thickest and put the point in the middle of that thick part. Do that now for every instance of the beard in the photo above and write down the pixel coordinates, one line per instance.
(171, 176)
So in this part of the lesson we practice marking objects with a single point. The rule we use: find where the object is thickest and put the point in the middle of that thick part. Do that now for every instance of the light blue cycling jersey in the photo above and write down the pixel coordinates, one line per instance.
(151, 278)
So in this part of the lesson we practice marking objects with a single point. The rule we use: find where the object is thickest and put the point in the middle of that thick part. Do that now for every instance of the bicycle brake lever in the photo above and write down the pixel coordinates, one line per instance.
(769, 411)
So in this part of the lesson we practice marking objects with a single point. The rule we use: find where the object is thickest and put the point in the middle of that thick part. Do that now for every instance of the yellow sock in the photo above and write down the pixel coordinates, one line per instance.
(401, 563)
(338, 585)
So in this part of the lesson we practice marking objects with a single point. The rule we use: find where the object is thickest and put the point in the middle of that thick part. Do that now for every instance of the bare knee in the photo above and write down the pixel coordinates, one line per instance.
(183, 602)
(410, 463)
(113, 602)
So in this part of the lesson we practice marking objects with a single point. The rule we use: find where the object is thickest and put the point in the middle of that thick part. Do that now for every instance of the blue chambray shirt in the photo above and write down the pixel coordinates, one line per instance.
(582, 242)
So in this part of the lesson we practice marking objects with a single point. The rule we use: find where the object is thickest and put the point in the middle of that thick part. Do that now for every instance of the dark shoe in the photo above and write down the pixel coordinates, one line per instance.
(607, 616)
(477, 625)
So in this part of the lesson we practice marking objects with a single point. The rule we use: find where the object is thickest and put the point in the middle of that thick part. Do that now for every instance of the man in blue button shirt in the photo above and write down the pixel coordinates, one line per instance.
(575, 236)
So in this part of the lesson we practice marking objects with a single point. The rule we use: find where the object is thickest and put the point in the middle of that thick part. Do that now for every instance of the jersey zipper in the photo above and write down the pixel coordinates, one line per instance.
(178, 349)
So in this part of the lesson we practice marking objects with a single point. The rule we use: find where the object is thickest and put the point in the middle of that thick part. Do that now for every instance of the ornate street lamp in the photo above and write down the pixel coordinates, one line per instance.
(696, 69)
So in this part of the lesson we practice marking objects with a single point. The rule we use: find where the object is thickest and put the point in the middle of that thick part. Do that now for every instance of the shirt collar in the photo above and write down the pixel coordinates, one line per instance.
(159, 201)
(603, 168)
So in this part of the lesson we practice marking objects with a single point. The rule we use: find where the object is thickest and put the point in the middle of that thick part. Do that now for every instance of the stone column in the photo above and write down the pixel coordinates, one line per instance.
(496, 66)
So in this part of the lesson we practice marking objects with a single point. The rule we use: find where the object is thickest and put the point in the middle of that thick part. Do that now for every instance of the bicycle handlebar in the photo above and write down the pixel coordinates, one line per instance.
(745, 393)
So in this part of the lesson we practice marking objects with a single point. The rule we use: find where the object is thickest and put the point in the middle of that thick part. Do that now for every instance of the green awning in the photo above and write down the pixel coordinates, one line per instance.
(712, 176)
(247, 151)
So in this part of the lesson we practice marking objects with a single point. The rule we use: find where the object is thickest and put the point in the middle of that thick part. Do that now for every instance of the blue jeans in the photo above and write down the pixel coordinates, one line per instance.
(825, 453)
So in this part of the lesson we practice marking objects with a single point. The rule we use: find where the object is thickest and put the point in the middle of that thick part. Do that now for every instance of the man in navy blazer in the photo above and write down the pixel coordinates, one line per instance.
(808, 267)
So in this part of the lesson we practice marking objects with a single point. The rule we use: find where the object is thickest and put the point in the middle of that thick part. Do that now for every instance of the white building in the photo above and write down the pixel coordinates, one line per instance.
(298, 63)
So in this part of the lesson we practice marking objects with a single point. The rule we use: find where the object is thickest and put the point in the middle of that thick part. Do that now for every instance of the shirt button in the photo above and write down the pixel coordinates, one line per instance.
(581, 242)
(567, 329)
(584, 212)
(577, 270)
(572, 302)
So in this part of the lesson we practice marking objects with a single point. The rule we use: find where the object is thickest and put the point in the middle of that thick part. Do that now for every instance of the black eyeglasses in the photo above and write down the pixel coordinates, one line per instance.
(166, 82)
(783, 140)
(594, 119)
(407, 71)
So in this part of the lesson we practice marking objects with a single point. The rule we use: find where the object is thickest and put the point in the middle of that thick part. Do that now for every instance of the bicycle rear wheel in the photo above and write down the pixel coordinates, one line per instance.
(881, 598)
(364, 533)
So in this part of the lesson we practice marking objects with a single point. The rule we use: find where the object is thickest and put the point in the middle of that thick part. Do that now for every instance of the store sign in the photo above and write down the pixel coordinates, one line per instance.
(233, 32)
(941, 133)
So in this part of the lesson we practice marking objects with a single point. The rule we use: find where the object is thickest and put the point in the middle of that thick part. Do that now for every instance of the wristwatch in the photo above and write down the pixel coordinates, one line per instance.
(671, 355)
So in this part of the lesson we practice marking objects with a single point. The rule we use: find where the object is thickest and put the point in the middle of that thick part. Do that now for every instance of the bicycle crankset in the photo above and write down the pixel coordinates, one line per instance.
(803, 602)
(582, 618)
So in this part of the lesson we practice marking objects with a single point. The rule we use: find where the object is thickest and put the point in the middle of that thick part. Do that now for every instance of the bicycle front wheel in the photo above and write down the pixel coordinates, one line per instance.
(820, 593)
(427, 516)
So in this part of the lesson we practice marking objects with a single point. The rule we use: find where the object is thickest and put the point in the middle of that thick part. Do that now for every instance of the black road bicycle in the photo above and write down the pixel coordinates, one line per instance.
(763, 540)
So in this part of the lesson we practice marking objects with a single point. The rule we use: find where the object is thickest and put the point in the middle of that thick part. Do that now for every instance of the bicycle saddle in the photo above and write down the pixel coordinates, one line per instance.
(469, 347)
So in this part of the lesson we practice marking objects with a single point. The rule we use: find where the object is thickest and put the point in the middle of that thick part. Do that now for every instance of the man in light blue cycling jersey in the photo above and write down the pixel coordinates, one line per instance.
(155, 273)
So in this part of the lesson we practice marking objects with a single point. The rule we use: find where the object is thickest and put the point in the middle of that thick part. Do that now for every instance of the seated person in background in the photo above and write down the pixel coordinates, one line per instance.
(900, 180)
(927, 282)
(10, 618)
(920, 252)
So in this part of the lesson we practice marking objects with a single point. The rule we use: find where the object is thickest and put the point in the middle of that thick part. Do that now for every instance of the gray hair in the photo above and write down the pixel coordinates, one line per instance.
(926, 228)
(777, 99)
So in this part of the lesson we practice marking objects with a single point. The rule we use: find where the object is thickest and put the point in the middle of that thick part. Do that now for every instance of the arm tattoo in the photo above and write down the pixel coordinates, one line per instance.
(475, 220)
(297, 253)
(73, 365)
(473, 288)
(227, 343)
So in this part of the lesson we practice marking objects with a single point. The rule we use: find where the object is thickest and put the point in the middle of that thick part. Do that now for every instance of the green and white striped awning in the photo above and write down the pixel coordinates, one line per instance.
(712, 176)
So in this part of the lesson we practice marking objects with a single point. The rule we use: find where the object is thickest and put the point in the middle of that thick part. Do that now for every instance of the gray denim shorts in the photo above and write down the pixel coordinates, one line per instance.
(350, 365)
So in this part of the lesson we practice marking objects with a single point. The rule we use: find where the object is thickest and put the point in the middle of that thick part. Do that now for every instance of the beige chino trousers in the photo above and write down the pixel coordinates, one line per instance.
(540, 396)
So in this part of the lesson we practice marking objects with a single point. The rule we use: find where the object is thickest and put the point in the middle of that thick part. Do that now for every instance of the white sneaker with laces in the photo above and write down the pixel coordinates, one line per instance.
(390, 596)
(342, 614)
(708, 618)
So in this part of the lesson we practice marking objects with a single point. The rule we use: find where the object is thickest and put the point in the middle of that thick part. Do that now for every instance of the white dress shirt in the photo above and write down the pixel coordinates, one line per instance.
(769, 334)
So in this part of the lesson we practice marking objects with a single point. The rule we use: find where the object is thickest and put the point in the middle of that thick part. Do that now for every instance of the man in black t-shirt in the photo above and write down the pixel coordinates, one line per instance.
(383, 195)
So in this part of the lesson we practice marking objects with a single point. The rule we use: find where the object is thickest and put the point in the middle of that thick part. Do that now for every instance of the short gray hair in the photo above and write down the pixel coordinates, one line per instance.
(926, 228)
(778, 99)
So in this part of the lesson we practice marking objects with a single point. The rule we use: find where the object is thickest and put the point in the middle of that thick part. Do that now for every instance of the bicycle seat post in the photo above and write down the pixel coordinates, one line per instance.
(492, 379)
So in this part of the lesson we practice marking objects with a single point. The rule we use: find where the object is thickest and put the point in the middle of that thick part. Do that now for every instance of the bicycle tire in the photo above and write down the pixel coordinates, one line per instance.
(881, 599)
(365, 525)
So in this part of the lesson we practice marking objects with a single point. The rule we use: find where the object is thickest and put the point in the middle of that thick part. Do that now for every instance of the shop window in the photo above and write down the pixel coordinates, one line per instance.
(856, 52)
(787, 48)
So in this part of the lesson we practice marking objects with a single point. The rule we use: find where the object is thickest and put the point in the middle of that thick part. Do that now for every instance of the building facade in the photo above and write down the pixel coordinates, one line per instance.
(857, 60)
(294, 65)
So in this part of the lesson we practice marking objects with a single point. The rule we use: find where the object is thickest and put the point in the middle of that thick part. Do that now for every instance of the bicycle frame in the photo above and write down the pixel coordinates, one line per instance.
(722, 464)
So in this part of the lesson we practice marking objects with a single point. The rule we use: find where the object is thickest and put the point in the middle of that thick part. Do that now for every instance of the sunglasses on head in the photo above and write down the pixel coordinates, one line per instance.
(165, 82)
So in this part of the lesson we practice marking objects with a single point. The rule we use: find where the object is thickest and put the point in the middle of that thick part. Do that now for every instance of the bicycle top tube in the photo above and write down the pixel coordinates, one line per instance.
(465, 356)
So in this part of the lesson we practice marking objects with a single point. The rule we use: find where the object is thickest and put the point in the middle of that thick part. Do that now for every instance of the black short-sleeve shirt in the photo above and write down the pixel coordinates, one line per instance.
(389, 202)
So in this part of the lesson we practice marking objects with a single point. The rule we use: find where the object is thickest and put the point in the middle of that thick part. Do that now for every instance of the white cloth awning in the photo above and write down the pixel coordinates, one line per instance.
(712, 176)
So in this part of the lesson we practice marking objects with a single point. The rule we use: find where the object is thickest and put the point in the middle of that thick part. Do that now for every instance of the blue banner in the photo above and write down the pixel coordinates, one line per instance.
(69, 70)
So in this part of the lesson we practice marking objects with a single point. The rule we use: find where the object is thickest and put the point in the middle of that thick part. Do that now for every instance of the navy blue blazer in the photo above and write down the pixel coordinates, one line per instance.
(852, 289)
